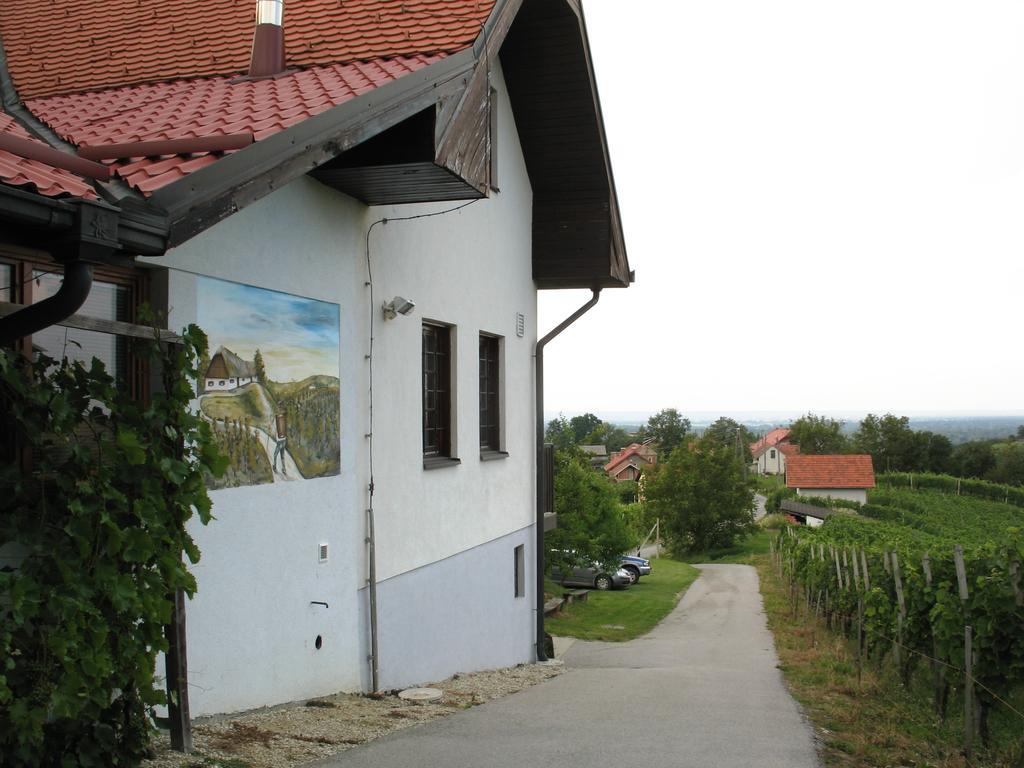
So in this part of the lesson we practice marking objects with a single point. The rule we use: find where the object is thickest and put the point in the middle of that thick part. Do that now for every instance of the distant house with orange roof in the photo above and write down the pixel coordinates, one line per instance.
(769, 454)
(830, 476)
(629, 463)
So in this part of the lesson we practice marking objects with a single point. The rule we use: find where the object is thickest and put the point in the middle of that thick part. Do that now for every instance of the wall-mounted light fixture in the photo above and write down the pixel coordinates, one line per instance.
(397, 306)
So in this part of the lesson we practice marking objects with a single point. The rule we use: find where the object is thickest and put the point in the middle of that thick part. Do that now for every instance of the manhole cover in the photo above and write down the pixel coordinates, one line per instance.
(421, 695)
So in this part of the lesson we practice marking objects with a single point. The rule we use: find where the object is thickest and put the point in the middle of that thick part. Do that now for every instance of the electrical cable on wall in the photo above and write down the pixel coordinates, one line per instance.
(370, 538)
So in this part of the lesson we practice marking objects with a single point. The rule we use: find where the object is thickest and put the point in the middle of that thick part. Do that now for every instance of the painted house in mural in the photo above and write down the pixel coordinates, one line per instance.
(451, 153)
(228, 371)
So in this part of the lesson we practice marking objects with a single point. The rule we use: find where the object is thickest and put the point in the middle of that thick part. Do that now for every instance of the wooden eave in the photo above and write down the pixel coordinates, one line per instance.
(360, 147)
(210, 194)
(577, 230)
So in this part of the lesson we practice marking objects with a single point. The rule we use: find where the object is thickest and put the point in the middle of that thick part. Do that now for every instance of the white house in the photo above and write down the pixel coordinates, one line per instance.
(835, 477)
(375, 210)
(227, 371)
(768, 454)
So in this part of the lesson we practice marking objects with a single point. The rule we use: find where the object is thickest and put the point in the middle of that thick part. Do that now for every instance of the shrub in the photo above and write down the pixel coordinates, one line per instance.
(98, 524)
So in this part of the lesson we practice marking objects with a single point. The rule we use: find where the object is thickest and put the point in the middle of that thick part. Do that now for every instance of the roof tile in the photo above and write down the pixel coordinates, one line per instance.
(17, 171)
(207, 107)
(110, 43)
(825, 471)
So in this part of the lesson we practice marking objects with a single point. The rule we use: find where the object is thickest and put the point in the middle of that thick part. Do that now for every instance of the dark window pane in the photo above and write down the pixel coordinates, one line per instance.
(6, 282)
(436, 391)
(490, 417)
(107, 301)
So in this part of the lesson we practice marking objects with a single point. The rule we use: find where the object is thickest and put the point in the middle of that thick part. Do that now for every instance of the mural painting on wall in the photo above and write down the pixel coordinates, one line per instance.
(270, 386)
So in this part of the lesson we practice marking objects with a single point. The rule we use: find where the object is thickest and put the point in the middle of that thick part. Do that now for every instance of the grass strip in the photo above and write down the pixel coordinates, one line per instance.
(623, 615)
(744, 551)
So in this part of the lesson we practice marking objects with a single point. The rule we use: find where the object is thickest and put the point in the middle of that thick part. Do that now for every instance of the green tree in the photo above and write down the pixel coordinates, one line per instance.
(559, 433)
(582, 426)
(700, 497)
(893, 445)
(591, 524)
(668, 428)
(1009, 464)
(612, 437)
(261, 371)
(818, 435)
(974, 459)
(937, 450)
(726, 432)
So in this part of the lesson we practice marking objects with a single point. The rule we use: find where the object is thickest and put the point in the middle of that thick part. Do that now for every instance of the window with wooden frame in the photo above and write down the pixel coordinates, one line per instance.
(490, 396)
(437, 395)
(116, 294)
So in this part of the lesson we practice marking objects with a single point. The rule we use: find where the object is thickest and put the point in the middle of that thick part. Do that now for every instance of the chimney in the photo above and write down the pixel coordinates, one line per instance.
(268, 41)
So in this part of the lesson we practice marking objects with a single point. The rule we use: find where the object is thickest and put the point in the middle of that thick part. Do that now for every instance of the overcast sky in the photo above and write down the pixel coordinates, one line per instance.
(824, 205)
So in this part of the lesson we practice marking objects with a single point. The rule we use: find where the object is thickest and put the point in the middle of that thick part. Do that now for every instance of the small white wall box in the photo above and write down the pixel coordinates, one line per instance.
(322, 552)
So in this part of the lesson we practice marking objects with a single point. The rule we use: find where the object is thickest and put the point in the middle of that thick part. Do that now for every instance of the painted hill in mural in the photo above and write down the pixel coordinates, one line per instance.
(245, 428)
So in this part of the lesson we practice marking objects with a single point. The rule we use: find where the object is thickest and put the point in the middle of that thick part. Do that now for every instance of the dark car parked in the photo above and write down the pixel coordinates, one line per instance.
(592, 577)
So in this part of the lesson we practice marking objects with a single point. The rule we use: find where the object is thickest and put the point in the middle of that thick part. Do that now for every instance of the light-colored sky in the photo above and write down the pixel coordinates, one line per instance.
(824, 205)
(297, 337)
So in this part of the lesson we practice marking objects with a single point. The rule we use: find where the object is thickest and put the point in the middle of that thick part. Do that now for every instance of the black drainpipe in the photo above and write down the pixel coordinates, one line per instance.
(539, 394)
(68, 299)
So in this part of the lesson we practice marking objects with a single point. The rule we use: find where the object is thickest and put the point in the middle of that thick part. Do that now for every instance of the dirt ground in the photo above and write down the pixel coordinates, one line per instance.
(298, 733)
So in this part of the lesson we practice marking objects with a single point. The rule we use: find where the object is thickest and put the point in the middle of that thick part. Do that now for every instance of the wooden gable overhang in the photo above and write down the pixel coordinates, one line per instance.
(577, 231)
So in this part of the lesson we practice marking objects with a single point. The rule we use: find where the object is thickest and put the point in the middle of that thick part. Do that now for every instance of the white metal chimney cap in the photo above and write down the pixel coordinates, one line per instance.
(270, 12)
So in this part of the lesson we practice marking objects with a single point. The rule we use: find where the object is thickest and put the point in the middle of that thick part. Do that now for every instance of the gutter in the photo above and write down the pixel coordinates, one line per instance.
(71, 295)
(539, 407)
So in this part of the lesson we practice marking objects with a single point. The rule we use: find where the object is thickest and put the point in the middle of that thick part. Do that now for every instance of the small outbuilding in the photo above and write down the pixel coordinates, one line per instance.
(831, 476)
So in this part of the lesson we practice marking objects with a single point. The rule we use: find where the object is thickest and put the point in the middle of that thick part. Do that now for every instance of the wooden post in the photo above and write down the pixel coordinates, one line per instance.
(961, 571)
(856, 571)
(968, 693)
(938, 673)
(1015, 581)
(864, 568)
(860, 638)
(885, 560)
(961, 579)
(902, 617)
(176, 665)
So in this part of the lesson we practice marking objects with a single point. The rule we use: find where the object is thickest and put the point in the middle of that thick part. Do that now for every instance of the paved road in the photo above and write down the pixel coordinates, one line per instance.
(700, 690)
(759, 509)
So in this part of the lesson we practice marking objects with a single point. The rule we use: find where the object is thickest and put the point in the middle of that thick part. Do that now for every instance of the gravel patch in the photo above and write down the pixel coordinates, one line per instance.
(299, 733)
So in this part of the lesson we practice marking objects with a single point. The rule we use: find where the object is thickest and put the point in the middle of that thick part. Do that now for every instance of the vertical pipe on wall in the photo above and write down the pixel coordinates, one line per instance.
(539, 395)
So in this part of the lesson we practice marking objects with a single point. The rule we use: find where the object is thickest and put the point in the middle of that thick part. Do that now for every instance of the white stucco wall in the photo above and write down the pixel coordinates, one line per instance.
(850, 494)
(766, 465)
(251, 626)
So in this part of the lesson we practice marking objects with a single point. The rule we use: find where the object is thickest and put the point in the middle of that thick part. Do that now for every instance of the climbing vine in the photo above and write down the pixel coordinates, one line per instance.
(93, 541)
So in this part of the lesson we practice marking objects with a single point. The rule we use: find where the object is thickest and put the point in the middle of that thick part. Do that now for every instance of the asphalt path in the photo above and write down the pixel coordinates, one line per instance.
(759, 508)
(702, 689)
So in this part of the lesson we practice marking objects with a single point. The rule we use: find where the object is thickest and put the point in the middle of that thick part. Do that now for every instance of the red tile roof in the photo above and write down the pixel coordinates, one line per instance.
(18, 171)
(772, 438)
(68, 46)
(829, 472)
(205, 107)
(644, 452)
(788, 449)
